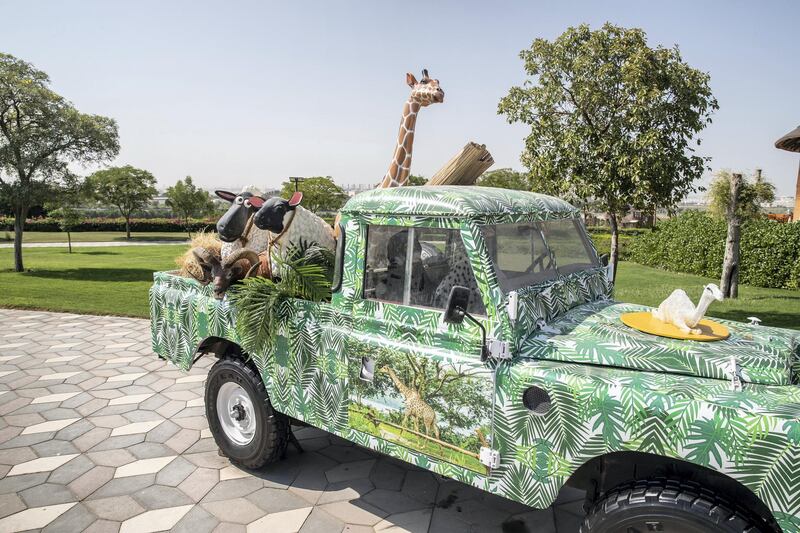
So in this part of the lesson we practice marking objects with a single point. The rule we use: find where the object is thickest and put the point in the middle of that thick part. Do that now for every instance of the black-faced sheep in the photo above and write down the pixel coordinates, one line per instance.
(276, 225)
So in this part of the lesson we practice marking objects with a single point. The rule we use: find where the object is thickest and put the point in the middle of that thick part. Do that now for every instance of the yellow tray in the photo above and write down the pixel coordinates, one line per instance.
(645, 322)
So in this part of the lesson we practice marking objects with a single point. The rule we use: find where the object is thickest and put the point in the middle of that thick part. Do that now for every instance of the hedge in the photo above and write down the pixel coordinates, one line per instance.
(113, 224)
(694, 242)
(601, 237)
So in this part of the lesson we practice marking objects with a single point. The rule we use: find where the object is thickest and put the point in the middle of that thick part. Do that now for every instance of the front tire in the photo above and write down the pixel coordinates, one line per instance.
(241, 418)
(666, 506)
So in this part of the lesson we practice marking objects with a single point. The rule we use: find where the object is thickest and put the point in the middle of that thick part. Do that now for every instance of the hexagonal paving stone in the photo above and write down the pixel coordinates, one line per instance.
(352, 470)
(283, 522)
(98, 434)
(157, 520)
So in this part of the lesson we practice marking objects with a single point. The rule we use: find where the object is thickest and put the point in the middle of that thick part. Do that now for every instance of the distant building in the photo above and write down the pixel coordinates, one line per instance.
(352, 190)
(160, 200)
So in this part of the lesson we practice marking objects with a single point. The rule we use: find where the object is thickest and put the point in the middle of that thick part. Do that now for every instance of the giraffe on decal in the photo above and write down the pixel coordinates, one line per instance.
(424, 92)
(416, 408)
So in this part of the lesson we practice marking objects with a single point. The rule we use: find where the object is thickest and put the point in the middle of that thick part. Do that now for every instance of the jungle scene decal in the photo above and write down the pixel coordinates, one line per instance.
(439, 407)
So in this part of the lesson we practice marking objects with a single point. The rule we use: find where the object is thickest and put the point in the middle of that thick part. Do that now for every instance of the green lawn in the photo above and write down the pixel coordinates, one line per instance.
(94, 236)
(115, 280)
(104, 281)
(649, 286)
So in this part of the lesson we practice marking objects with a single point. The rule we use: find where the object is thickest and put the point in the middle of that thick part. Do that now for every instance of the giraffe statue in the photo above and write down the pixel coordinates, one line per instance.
(416, 408)
(424, 92)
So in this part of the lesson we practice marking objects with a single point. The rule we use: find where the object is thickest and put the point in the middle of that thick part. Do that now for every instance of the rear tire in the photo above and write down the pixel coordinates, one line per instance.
(241, 418)
(667, 506)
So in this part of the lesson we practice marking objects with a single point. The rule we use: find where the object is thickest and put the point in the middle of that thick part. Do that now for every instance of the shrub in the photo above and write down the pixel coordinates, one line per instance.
(601, 237)
(694, 242)
(113, 224)
(794, 281)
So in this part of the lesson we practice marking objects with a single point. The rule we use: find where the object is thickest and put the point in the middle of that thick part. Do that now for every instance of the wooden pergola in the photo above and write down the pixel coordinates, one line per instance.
(791, 143)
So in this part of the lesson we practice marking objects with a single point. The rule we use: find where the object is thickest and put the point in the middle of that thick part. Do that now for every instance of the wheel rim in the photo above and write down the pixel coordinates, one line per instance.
(236, 413)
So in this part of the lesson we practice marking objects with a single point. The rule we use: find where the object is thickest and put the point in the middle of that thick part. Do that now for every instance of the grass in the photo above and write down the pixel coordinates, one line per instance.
(409, 440)
(93, 236)
(649, 286)
(103, 281)
(115, 281)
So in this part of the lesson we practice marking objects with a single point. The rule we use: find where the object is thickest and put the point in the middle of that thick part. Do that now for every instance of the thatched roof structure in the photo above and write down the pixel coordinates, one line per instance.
(790, 142)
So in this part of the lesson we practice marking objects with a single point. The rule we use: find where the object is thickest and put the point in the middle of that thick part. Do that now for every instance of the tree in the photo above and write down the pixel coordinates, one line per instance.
(320, 193)
(736, 199)
(753, 194)
(40, 134)
(504, 178)
(416, 180)
(127, 188)
(458, 398)
(187, 200)
(63, 203)
(729, 281)
(612, 120)
(68, 219)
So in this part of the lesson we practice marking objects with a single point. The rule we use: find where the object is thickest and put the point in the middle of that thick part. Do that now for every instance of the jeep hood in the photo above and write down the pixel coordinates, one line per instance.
(593, 333)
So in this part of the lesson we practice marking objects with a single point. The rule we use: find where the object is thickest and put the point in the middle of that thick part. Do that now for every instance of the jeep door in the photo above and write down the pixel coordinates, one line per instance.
(416, 381)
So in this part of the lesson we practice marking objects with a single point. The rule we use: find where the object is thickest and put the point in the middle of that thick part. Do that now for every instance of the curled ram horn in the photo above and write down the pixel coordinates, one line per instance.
(249, 255)
(206, 260)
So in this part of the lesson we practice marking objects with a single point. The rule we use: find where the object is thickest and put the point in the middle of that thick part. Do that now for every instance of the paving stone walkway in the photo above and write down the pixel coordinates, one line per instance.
(97, 434)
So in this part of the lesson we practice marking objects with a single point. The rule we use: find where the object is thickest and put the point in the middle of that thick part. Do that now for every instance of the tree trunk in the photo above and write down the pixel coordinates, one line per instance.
(19, 226)
(128, 227)
(613, 259)
(69, 242)
(729, 283)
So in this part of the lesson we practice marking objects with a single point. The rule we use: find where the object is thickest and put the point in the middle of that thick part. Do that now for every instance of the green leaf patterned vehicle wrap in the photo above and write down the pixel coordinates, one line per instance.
(612, 389)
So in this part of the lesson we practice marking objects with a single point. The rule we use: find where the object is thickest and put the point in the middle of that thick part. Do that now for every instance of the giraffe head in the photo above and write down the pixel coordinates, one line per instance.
(426, 91)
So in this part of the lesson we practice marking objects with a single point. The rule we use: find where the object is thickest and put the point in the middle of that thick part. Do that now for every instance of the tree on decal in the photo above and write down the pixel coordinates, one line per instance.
(457, 398)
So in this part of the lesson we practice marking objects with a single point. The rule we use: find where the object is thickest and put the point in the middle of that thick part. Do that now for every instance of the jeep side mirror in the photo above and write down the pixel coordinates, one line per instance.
(456, 312)
(604, 260)
(457, 304)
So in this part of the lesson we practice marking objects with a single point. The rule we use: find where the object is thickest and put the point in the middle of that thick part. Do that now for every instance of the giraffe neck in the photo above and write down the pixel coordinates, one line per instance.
(397, 383)
(399, 169)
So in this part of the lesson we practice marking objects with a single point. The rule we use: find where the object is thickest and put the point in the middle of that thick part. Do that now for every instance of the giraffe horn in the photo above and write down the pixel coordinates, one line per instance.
(425, 74)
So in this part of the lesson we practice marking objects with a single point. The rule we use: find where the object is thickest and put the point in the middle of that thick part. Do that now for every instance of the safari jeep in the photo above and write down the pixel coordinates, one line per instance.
(471, 332)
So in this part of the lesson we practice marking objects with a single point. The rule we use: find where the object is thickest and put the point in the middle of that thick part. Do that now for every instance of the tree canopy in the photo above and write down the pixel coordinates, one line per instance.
(40, 134)
(458, 398)
(612, 119)
(320, 193)
(127, 188)
(187, 200)
(416, 180)
(504, 178)
(753, 193)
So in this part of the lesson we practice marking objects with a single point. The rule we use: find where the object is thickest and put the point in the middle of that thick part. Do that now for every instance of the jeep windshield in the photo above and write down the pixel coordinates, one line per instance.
(530, 253)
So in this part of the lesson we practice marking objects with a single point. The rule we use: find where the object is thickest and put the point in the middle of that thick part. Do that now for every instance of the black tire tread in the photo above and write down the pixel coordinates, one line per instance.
(686, 496)
(277, 424)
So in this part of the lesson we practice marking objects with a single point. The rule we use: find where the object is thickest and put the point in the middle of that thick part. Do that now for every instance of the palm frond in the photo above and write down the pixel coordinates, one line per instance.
(262, 305)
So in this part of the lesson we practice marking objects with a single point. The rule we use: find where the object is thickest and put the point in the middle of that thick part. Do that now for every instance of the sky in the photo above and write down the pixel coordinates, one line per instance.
(241, 93)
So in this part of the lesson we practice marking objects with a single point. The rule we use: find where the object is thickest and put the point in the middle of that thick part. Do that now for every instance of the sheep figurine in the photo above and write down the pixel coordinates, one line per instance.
(275, 225)
(679, 310)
